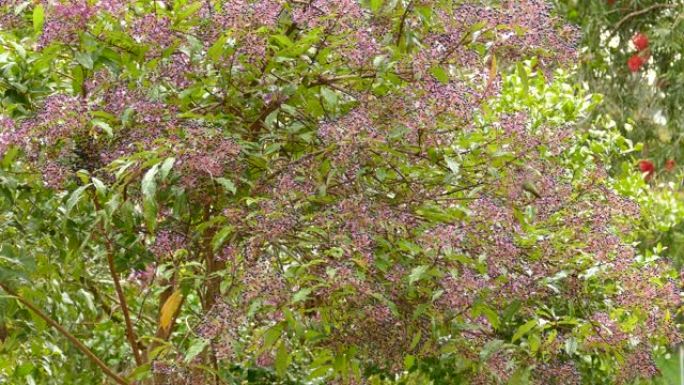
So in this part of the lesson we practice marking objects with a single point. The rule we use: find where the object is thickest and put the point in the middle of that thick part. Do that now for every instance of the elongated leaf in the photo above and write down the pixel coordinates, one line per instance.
(166, 167)
(195, 349)
(38, 18)
(418, 273)
(75, 197)
(227, 184)
(169, 309)
(524, 329)
(282, 359)
(149, 190)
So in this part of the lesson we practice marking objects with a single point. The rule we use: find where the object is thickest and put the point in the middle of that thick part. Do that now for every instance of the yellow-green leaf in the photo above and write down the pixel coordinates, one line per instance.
(169, 309)
(38, 18)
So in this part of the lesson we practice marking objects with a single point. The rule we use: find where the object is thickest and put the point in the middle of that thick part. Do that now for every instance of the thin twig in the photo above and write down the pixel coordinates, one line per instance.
(641, 12)
(130, 333)
(400, 33)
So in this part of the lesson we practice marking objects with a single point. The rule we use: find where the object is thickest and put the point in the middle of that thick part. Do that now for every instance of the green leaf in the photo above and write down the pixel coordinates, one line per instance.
(283, 40)
(329, 96)
(149, 183)
(99, 186)
(490, 348)
(522, 73)
(453, 165)
(375, 5)
(416, 339)
(78, 77)
(38, 18)
(216, 49)
(520, 377)
(220, 237)
(409, 361)
(282, 359)
(84, 59)
(189, 11)
(669, 367)
(301, 295)
(75, 197)
(21, 51)
(524, 329)
(140, 373)
(440, 74)
(195, 349)
(227, 184)
(149, 190)
(571, 346)
(418, 273)
(273, 334)
(489, 313)
(166, 168)
(104, 126)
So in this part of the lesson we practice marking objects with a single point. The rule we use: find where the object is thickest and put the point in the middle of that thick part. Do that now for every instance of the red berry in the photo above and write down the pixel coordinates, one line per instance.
(640, 41)
(611, 2)
(647, 167)
(670, 164)
(635, 63)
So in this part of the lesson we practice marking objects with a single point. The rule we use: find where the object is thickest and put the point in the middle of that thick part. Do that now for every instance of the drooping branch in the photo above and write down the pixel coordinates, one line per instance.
(77, 343)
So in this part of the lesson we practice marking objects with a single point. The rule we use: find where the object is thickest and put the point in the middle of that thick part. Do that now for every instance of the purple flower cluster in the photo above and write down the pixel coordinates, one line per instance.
(143, 278)
(244, 15)
(54, 174)
(65, 21)
(167, 242)
(638, 365)
(9, 134)
(208, 156)
(557, 373)
(155, 31)
(344, 13)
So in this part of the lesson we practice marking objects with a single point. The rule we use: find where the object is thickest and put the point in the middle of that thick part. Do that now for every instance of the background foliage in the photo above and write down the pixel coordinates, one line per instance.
(645, 105)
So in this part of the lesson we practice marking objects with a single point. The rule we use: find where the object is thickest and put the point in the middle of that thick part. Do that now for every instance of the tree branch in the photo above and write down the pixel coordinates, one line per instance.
(403, 22)
(130, 333)
(79, 345)
(641, 12)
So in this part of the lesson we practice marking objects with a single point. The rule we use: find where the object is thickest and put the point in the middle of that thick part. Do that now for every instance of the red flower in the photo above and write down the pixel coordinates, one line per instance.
(635, 63)
(647, 167)
(670, 164)
(640, 41)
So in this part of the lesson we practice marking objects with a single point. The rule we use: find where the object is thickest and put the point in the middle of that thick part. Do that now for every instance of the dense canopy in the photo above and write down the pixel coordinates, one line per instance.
(316, 192)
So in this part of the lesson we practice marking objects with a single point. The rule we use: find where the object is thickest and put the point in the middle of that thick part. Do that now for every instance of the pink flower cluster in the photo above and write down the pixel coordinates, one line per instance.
(167, 242)
(65, 21)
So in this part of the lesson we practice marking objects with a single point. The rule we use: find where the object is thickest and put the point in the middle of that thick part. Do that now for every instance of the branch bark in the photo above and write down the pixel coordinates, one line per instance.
(79, 345)
(130, 332)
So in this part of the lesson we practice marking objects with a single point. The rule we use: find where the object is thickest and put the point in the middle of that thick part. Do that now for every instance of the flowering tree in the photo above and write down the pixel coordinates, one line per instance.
(312, 192)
